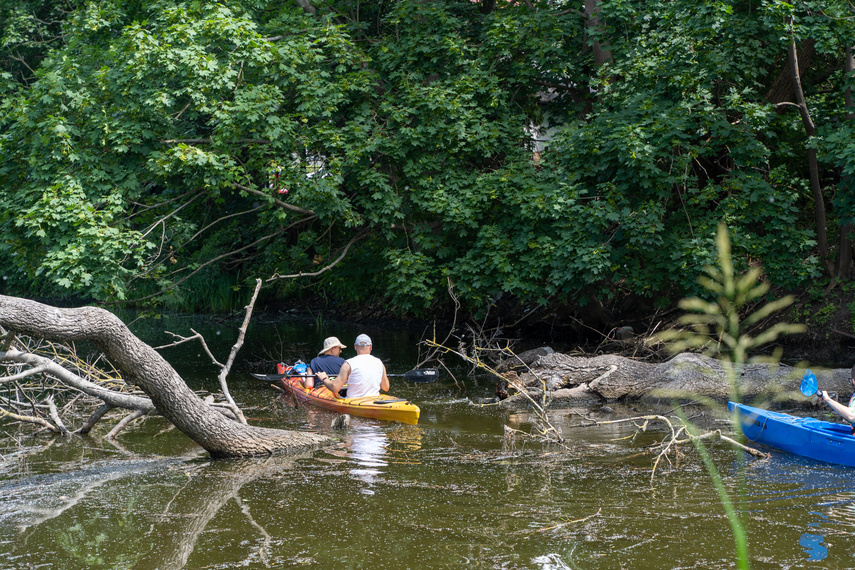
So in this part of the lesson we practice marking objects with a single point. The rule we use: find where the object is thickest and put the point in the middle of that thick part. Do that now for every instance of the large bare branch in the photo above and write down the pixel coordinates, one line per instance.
(276, 201)
(141, 365)
(224, 368)
(353, 240)
(93, 419)
(224, 371)
(124, 422)
(43, 364)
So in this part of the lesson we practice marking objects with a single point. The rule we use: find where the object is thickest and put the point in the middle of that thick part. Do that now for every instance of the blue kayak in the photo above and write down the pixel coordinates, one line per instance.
(808, 437)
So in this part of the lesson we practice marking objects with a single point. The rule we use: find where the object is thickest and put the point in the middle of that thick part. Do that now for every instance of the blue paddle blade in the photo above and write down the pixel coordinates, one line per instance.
(808, 387)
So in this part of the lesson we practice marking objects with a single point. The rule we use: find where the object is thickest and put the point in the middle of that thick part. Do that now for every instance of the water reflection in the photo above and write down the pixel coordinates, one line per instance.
(157, 511)
(367, 446)
(815, 549)
(841, 511)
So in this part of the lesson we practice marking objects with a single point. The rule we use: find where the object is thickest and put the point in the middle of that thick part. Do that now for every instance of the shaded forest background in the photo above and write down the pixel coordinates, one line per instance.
(548, 164)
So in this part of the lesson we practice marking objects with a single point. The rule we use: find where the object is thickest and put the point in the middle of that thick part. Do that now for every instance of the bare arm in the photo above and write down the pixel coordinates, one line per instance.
(320, 374)
(841, 410)
(335, 384)
(384, 381)
(308, 381)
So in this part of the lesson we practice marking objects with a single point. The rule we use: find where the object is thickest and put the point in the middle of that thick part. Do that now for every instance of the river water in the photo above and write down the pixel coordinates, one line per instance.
(448, 492)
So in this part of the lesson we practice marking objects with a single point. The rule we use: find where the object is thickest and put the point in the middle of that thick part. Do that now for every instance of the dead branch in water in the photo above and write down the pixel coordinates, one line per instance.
(547, 432)
(679, 434)
(224, 368)
(54, 372)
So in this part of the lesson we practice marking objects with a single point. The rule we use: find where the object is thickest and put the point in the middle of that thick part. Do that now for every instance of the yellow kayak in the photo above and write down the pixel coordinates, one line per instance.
(381, 407)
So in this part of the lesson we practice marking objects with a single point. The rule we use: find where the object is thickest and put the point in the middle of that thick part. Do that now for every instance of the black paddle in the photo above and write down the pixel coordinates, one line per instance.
(418, 375)
(424, 375)
(278, 377)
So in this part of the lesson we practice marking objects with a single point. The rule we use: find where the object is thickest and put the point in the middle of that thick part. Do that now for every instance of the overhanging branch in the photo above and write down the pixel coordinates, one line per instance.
(276, 201)
(357, 237)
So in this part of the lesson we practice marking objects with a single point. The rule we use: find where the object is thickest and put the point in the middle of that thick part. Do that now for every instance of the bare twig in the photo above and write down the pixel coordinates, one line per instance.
(676, 433)
(224, 371)
(354, 239)
(123, 422)
(559, 525)
(548, 431)
(431, 355)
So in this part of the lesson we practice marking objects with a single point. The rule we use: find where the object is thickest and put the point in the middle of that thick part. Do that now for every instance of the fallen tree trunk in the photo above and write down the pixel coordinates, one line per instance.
(572, 379)
(141, 365)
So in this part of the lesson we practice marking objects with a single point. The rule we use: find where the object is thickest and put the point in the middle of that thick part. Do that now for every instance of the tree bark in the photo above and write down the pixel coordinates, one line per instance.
(813, 166)
(686, 376)
(602, 54)
(143, 366)
(844, 265)
(782, 88)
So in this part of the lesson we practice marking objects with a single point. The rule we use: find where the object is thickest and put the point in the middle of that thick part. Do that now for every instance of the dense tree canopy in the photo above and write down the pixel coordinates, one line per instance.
(178, 150)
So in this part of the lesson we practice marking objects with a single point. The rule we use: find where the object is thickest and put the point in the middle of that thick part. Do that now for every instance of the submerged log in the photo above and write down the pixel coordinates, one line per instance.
(576, 379)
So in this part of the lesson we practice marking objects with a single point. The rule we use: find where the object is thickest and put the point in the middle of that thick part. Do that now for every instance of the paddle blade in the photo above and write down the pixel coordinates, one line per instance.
(425, 375)
(269, 377)
(808, 387)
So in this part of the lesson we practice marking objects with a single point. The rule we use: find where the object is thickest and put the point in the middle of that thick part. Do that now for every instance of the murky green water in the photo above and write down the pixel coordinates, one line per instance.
(446, 493)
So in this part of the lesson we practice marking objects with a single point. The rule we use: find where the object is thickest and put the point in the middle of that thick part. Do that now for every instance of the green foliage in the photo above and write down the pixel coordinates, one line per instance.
(150, 141)
(720, 328)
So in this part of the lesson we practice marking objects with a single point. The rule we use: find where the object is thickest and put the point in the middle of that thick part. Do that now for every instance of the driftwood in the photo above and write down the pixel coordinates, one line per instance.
(575, 380)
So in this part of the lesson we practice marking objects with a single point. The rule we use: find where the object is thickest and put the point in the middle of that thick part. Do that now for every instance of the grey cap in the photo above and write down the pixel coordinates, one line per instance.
(362, 340)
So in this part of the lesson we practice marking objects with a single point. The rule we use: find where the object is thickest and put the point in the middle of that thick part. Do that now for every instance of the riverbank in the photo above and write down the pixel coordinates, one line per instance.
(616, 328)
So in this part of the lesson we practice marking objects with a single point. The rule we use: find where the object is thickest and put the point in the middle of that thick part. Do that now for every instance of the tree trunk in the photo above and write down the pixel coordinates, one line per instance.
(307, 7)
(782, 89)
(813, 166)
(143, 366)
(844, 265)
(849, 66)
(602, 54)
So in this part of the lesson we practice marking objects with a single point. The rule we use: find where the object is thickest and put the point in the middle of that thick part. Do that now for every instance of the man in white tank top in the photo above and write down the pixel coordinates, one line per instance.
(365, 375)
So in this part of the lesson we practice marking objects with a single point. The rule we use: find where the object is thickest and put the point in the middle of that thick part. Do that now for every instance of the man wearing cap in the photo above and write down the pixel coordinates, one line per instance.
(365, 375)
(328, 362)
